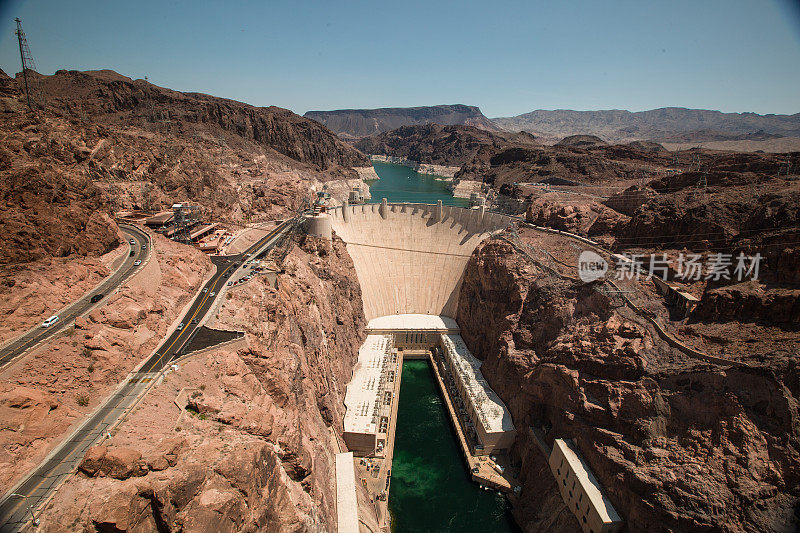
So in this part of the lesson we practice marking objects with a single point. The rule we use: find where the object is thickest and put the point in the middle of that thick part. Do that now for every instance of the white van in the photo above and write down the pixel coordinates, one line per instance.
(50, 321)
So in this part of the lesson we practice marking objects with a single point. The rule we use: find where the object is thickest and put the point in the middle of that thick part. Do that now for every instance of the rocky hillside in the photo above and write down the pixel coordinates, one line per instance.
(438, 145)
(104, 143)
(580, 160)
(109, 98)
(364, 122)
(250, 444)
(47, 208)
(656, 124)
(55, 385)
(677, 443)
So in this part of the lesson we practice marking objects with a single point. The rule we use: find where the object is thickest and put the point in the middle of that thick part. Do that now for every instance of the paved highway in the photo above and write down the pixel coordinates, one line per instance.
(17, 507)
(226, 267)
(84, 304)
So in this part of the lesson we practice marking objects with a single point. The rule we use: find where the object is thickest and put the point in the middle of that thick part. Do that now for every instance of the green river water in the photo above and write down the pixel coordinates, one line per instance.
(401, 184)
(431, 488)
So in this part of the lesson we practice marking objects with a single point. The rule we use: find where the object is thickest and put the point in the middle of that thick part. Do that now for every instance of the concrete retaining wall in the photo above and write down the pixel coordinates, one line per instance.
(410, 258)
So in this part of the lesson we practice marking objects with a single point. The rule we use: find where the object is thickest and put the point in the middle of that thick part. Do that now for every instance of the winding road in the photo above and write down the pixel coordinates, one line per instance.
(18, 507)
(66, 316)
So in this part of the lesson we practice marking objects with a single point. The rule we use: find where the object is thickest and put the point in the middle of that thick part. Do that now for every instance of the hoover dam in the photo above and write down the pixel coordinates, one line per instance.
(410, 260)
(220, 315)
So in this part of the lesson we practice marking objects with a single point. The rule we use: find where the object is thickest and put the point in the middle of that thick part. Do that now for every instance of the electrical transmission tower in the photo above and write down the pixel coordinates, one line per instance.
(788, 164)
(26, 57)
(695, 161)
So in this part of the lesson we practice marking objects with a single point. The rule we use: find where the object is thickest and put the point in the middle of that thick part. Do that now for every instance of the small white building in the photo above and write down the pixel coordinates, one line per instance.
(581, 491)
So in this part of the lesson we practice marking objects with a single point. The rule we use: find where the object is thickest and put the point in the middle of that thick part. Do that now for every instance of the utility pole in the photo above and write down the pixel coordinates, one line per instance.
(26, 58)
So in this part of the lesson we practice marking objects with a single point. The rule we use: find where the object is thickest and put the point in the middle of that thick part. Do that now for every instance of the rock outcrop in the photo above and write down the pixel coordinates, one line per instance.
(677, 444)
(47, 209)
(585, 218)
(364, 122)
(581, 141)
(238, 441)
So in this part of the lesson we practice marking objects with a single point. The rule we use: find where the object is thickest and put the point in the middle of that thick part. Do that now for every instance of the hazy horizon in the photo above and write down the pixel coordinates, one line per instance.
(508, 59)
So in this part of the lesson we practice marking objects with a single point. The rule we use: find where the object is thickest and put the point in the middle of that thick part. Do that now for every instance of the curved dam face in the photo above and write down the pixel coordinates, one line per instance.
(410, 258)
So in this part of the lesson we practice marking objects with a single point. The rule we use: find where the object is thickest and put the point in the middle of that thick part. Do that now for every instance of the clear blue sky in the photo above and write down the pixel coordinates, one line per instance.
(507, 58)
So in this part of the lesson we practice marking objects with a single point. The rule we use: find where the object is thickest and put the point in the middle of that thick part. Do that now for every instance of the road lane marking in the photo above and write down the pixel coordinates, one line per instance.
(76, 450)
(213, 288)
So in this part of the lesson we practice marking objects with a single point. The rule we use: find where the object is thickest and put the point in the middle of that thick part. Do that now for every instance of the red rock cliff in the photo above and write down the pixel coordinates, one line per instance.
(238, 440)
(679, 445)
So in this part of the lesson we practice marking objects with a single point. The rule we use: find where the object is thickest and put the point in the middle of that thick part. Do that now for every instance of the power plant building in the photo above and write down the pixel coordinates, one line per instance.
(488, 416)
(369, 396)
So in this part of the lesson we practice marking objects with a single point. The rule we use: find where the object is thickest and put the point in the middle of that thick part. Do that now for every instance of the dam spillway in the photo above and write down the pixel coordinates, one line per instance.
(410, 258)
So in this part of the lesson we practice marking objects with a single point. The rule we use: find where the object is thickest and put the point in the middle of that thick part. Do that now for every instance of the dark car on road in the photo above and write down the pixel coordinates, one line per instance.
(96, 298)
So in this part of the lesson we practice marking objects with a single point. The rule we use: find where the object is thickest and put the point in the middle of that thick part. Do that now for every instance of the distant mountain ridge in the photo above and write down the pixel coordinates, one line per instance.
(657, 124)
(435, 144)
(364, 122)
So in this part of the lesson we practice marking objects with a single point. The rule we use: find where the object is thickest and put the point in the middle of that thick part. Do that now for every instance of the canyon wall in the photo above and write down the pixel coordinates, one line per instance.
(678, 445)
(362, 122)
(238, 440)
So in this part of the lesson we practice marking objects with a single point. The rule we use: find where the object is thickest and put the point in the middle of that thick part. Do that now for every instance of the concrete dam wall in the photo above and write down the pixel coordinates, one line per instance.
(410, 258)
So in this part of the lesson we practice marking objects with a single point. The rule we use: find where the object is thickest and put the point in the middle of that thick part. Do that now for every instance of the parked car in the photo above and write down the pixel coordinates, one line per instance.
(132, 242)
(96, 298)
(50, 321)
(137, 262)
(133, 252)
(230, 283)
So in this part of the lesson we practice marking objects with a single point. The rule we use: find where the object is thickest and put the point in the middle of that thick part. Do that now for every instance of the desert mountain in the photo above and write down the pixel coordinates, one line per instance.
(438, 145)
(107, 97)
(364, 122)
(102, 142)
(662, 124)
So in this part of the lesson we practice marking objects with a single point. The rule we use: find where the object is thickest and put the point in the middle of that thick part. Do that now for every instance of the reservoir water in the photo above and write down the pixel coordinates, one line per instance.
(431, 488)
(402, 184)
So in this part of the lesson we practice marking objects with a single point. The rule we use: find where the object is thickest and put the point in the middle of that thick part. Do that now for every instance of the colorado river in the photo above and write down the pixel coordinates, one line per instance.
(431, 489)
(402, 184)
